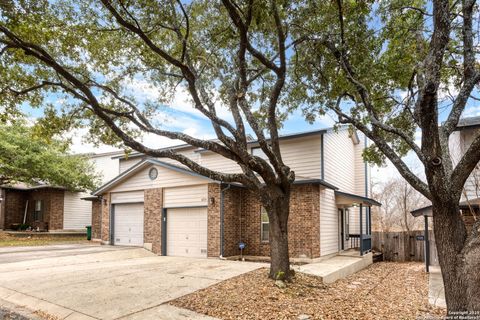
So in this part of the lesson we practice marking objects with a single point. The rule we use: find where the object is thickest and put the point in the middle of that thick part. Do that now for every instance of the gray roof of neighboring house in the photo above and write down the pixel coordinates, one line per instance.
(464, 205)
(26, 187)
(470, 122)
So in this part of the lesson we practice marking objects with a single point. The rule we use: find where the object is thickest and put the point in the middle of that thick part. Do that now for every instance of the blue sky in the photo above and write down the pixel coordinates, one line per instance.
(180, 116)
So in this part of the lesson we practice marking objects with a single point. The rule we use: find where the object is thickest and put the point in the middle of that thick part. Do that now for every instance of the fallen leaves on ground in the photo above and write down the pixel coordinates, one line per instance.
(385, 290)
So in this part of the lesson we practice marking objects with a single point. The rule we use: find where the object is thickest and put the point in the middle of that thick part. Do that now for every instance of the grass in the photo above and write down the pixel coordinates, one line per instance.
(7, 240)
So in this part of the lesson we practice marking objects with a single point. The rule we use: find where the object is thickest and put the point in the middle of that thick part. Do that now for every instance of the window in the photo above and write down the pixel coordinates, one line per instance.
(37, 210)
(265, 225)
(347, 224)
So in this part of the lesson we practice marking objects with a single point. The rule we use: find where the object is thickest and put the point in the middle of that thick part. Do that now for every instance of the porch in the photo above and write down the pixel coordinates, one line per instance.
(338, 266)
(354, 223)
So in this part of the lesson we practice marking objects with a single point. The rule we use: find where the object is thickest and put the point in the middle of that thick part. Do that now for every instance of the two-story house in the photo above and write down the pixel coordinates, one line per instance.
(53, 208)
(164, 207)
(459, 142)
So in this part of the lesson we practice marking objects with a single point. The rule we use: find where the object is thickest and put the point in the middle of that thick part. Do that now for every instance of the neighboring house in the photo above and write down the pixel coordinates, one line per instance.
(164, 207)
(52, 208)
(467, 129)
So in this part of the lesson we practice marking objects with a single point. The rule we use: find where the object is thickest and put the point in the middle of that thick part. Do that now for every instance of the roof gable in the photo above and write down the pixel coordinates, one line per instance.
(137, 178)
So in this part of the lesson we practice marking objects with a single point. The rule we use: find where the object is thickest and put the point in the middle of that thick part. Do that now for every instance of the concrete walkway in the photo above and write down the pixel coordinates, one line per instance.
(436, 293)
(336, 267)
(105, 282)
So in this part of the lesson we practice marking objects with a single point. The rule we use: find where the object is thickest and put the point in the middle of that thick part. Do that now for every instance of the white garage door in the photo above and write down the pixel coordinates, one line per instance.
(187, 232)
(128, 224)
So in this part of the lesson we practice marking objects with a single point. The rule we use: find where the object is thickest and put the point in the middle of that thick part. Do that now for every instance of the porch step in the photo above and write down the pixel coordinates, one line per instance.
(337, 267)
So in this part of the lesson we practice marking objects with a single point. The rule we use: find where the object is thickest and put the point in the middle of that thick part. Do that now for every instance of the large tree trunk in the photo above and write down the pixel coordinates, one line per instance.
(459, 256)
(278, 208)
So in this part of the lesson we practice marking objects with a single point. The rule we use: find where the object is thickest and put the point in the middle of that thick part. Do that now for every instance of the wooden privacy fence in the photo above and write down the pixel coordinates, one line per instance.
(404, 246)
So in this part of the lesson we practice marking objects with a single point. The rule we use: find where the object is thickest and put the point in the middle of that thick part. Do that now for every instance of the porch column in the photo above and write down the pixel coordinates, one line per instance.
(370, 220)
(361, 229)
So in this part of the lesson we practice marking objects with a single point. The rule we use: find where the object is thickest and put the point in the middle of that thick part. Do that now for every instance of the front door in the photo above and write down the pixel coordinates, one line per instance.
(341, 228)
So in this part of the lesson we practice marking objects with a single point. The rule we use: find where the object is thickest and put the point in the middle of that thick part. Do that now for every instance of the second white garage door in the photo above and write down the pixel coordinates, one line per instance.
(187, 232)
(128, 224)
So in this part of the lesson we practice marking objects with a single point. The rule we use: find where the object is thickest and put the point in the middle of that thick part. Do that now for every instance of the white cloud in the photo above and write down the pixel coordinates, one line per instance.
(471, 111)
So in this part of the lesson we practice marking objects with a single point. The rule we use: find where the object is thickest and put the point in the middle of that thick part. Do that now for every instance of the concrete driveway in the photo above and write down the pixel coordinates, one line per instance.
(105, 282)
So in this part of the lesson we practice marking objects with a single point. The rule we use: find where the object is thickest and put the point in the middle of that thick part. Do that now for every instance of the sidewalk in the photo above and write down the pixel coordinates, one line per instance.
(436, 293)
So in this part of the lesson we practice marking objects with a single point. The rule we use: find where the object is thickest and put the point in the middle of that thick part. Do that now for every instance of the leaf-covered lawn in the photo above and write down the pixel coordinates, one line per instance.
(384, 290)
(7, 240)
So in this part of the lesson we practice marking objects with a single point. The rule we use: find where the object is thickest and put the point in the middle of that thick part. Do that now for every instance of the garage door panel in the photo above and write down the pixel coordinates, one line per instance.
(187, 232)
(128, 224)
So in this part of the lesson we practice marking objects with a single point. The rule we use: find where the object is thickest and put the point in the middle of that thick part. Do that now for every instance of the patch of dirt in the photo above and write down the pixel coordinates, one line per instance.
(7, 240)
(385, 290)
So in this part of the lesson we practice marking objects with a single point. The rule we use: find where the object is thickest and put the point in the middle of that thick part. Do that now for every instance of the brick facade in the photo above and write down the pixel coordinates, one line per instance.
(213, 220)
(96, 219)
(242, 222)
(232, 220)
(14, 206)
(52, 210)
(152, 233)
(106, 218)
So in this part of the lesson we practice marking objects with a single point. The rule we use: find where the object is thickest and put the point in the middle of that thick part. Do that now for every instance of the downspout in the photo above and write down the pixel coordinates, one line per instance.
(322, 162)
(366, 169)
(222, 220)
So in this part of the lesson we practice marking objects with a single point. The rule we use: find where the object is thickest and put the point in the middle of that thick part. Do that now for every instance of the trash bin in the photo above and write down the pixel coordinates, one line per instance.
(89, 232)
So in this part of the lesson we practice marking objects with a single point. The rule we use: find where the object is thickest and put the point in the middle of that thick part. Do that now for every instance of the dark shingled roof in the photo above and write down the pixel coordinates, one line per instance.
(470, 122)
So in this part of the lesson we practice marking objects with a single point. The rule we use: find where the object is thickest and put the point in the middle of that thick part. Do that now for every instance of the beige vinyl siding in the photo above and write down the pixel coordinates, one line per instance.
(458, 146)
(455, 145)
(77, 213)
(339, 157)
(194, 196)
(217, 162)
(127, 197)
(360, 168)
(190, 153)
(126, 164)
(329, 233)
(166, 178)
(106, 167)
(303, 155)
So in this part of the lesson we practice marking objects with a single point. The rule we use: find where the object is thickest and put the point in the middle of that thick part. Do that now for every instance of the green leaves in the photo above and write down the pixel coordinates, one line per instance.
(27, 157)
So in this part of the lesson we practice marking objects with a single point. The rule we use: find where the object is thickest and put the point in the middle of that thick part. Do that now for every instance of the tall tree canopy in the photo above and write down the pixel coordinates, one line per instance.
(26, 157)
(388, 68)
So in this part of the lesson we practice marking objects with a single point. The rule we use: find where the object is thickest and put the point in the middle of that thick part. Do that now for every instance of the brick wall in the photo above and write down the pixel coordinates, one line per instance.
(14, 207)
(213, 220)
(96, 219)
(304, 223)
(153, 218)
(232, 220)
(52, 211)
(57, 199)
(106, 217)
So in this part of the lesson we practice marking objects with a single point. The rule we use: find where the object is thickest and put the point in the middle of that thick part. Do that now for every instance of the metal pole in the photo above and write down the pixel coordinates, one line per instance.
(361, 230)
(427, 246)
